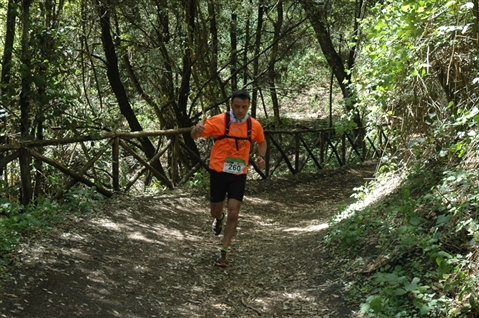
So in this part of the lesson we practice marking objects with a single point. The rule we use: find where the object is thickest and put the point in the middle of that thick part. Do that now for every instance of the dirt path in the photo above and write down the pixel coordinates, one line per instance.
(154, 256)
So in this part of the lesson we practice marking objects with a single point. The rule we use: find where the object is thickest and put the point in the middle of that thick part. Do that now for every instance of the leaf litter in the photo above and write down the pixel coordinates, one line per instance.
(153, 256)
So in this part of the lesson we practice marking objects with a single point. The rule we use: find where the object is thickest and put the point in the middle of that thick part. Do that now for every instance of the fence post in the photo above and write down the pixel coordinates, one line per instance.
(321, 146)
(296, 156)
(362, 137)
(26, 177)
(174, 160)
(343, 150)
(3, 140)
(116, 164)
(379, 132)
(268, 153)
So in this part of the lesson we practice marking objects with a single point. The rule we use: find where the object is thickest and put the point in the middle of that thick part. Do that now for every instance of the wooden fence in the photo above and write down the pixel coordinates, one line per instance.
(113, 162)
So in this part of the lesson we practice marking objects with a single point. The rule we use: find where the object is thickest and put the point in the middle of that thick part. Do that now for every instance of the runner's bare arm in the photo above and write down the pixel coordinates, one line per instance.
(198, 130)
(261, 153)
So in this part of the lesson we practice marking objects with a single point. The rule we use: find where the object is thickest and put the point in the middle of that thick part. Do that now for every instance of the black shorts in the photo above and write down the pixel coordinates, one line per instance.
(222, 183)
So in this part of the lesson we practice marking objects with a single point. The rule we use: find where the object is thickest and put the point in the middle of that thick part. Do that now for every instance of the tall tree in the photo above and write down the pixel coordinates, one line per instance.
(257, 50)
(5, 87)
(171, 80)
(104, 10)
(318, 18)
(475, 10)
(25, 96)
(246, 50)
(278, 24)
(47, 66)
(234, 51)
(181, 107)
(8, 48)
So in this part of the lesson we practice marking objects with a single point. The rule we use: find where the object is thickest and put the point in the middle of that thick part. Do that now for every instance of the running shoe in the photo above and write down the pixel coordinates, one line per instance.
(217, 225)
(221, 262)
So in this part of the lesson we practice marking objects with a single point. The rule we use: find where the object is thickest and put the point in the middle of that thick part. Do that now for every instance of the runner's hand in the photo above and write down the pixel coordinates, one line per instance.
(260, 162)
(198, 130)
(200, 127)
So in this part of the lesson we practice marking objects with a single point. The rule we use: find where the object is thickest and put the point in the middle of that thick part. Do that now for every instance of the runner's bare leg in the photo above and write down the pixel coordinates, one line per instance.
(217, 209)
(231, 222)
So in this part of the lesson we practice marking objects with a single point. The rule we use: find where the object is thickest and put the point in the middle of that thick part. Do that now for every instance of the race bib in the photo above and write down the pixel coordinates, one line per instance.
(233, 165)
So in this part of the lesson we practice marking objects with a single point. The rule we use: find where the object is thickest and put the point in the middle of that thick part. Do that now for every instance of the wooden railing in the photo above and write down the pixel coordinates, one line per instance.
(323, 147)
(289, 151)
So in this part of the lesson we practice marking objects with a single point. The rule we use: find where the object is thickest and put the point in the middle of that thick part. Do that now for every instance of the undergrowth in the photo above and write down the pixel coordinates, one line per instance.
(18, 223)
(411, 243)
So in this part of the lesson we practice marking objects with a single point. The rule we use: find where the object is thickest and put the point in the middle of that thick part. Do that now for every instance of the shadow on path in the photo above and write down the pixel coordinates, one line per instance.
(154, 256)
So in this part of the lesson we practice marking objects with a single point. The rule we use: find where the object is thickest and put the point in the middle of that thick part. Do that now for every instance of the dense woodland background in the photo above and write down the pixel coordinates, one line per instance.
(84, 68)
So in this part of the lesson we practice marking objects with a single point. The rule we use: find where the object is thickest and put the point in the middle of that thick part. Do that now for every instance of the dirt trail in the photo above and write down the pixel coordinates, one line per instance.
(154, 256)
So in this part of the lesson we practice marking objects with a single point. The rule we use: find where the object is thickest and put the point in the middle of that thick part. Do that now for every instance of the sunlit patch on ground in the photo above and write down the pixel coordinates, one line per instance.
(153, 256)
(310, 228)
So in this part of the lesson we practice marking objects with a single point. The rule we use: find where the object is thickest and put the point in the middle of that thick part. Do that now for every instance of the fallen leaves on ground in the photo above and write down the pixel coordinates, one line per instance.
(153, 256)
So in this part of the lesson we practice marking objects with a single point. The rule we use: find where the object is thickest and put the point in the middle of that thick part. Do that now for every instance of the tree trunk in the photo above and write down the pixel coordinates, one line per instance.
(25, 94)
(113, 73)
(174, 113)
(181, 108)
(476, 22)
(39, 174)
(8, 48)
(272, 72)
(47, 52)
(318, 19)
(166, 82)
(6, 70)
(234, 53)
(213, 65)
(257, 50)
(246, 50)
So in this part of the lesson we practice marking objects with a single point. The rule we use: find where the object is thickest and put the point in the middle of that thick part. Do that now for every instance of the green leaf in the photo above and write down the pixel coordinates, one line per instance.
(472, 301)
(423, 289)
(443, 267)
(413, 285)
(365, 308)
(442, 219)
(424, 309)
(415, 221)
(403, 229)
(400, 292)
(376, 304)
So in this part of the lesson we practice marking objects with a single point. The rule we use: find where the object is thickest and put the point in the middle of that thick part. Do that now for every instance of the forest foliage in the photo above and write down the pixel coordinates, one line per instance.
(89, 67)
(417, 72)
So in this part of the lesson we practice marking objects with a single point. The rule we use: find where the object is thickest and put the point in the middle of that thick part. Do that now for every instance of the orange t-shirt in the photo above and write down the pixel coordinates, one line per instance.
(228, 154)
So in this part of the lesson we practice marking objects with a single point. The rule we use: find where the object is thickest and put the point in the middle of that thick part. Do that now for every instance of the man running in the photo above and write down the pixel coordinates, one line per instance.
(234, 132)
